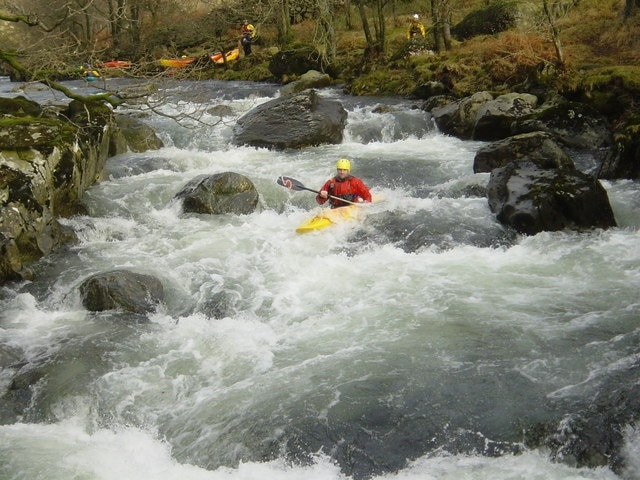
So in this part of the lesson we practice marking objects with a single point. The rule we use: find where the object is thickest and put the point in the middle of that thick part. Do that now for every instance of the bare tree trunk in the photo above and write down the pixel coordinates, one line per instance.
(284, 24)
(117, 10)
(446, 24)
(555, 33)
(134, 25)
(347, 14)
(438, 37)
(380, 26)
(365, 24)
(326, 32)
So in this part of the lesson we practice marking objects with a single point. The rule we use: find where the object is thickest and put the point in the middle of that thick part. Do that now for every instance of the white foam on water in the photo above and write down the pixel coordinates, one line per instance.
(65, 450)
(304, 317)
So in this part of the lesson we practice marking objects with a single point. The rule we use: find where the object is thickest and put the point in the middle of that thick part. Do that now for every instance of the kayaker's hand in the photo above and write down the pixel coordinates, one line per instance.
(324, 194)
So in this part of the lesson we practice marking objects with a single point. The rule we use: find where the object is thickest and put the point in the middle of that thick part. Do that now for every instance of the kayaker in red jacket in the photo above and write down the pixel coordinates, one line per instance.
(344, 186)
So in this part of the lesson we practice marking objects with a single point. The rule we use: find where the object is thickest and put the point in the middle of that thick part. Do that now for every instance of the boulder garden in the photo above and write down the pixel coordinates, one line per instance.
(295, 121)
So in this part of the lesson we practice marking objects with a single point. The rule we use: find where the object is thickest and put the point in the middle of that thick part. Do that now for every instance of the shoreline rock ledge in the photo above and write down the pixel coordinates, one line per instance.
(47, 160)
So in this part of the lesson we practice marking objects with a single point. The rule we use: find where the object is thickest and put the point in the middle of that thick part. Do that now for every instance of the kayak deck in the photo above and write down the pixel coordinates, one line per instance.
(328, 217)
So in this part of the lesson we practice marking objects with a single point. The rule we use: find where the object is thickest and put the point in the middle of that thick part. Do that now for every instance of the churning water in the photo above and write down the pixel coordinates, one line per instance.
(419, 343)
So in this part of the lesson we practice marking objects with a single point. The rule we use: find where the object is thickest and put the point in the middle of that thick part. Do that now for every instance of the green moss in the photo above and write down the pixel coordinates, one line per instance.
(52, 133)
(495, 17)
(382, 82)
(625, 76)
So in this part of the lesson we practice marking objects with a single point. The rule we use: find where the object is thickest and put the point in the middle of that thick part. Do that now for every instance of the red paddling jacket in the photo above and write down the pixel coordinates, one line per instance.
(350, 189)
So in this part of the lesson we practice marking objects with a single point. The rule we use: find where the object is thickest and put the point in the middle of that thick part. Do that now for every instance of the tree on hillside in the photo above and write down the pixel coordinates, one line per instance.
(441, 28)
(376, 43)
(325, 32)
(283, 23)
(34, 45)
(10, 57)
(554, 10)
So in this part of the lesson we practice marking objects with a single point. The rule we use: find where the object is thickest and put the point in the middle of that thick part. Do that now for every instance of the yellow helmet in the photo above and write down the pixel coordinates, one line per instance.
(343, 164)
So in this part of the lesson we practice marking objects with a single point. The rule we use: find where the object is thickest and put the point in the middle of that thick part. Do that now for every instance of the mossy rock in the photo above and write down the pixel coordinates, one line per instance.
(19, 107)
(488, 20)
(42, 134)
(382, 82)
(611, 90)
(295, 61)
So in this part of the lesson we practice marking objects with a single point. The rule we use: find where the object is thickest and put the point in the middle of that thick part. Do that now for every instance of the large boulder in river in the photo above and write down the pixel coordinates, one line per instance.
(623, 159)
(459, 118)
(221, 193)
(538, 147)
(575, 125)
(123, 290)
(311, 79)
(494, 118)
(296, 121)
(482, 117)
(134, 135)
(532, 199)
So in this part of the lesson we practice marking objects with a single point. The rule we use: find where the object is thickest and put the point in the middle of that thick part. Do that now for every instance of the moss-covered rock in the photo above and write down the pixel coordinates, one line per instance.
(611, 90)
(623, 159)
(493, 18)
(532, 200)
(46, 163)
(295, 62)
(217, 194)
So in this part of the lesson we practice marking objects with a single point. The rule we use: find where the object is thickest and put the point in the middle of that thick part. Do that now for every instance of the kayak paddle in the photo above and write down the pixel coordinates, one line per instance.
(293, 184)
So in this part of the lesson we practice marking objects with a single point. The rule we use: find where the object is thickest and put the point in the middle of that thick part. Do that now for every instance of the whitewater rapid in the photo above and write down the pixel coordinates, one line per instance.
(418, 343)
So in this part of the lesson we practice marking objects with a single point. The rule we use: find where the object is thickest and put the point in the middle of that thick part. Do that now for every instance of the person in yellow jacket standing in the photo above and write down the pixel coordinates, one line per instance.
(415, 27)
(248, 31)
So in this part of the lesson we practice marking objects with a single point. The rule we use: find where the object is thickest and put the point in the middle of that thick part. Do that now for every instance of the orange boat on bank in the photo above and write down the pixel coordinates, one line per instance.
(115, 64)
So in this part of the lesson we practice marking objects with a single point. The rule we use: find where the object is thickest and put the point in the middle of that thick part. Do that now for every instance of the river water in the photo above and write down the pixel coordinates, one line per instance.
(418, 343)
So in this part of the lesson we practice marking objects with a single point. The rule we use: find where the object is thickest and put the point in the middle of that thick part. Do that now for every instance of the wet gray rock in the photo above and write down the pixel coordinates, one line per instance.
(121, 290)
(47, 161)
(494, 118)
(134, 135)
(221, 193)
(531, 199)
(482, 117)
(575, 125)
(310, 79)
(537, 147)
(295, 121)
(458, 118)
(623, 159)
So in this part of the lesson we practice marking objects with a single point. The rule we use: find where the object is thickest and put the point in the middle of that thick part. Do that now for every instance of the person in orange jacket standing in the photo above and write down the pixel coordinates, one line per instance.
(344, 186)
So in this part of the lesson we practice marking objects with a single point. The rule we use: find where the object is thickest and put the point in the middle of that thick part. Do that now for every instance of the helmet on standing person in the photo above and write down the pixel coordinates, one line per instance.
(343, 164)
(416, 16)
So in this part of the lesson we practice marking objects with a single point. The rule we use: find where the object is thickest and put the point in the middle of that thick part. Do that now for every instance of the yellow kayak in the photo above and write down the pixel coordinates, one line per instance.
(331, 216)
(176, 62)
(230, 56)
